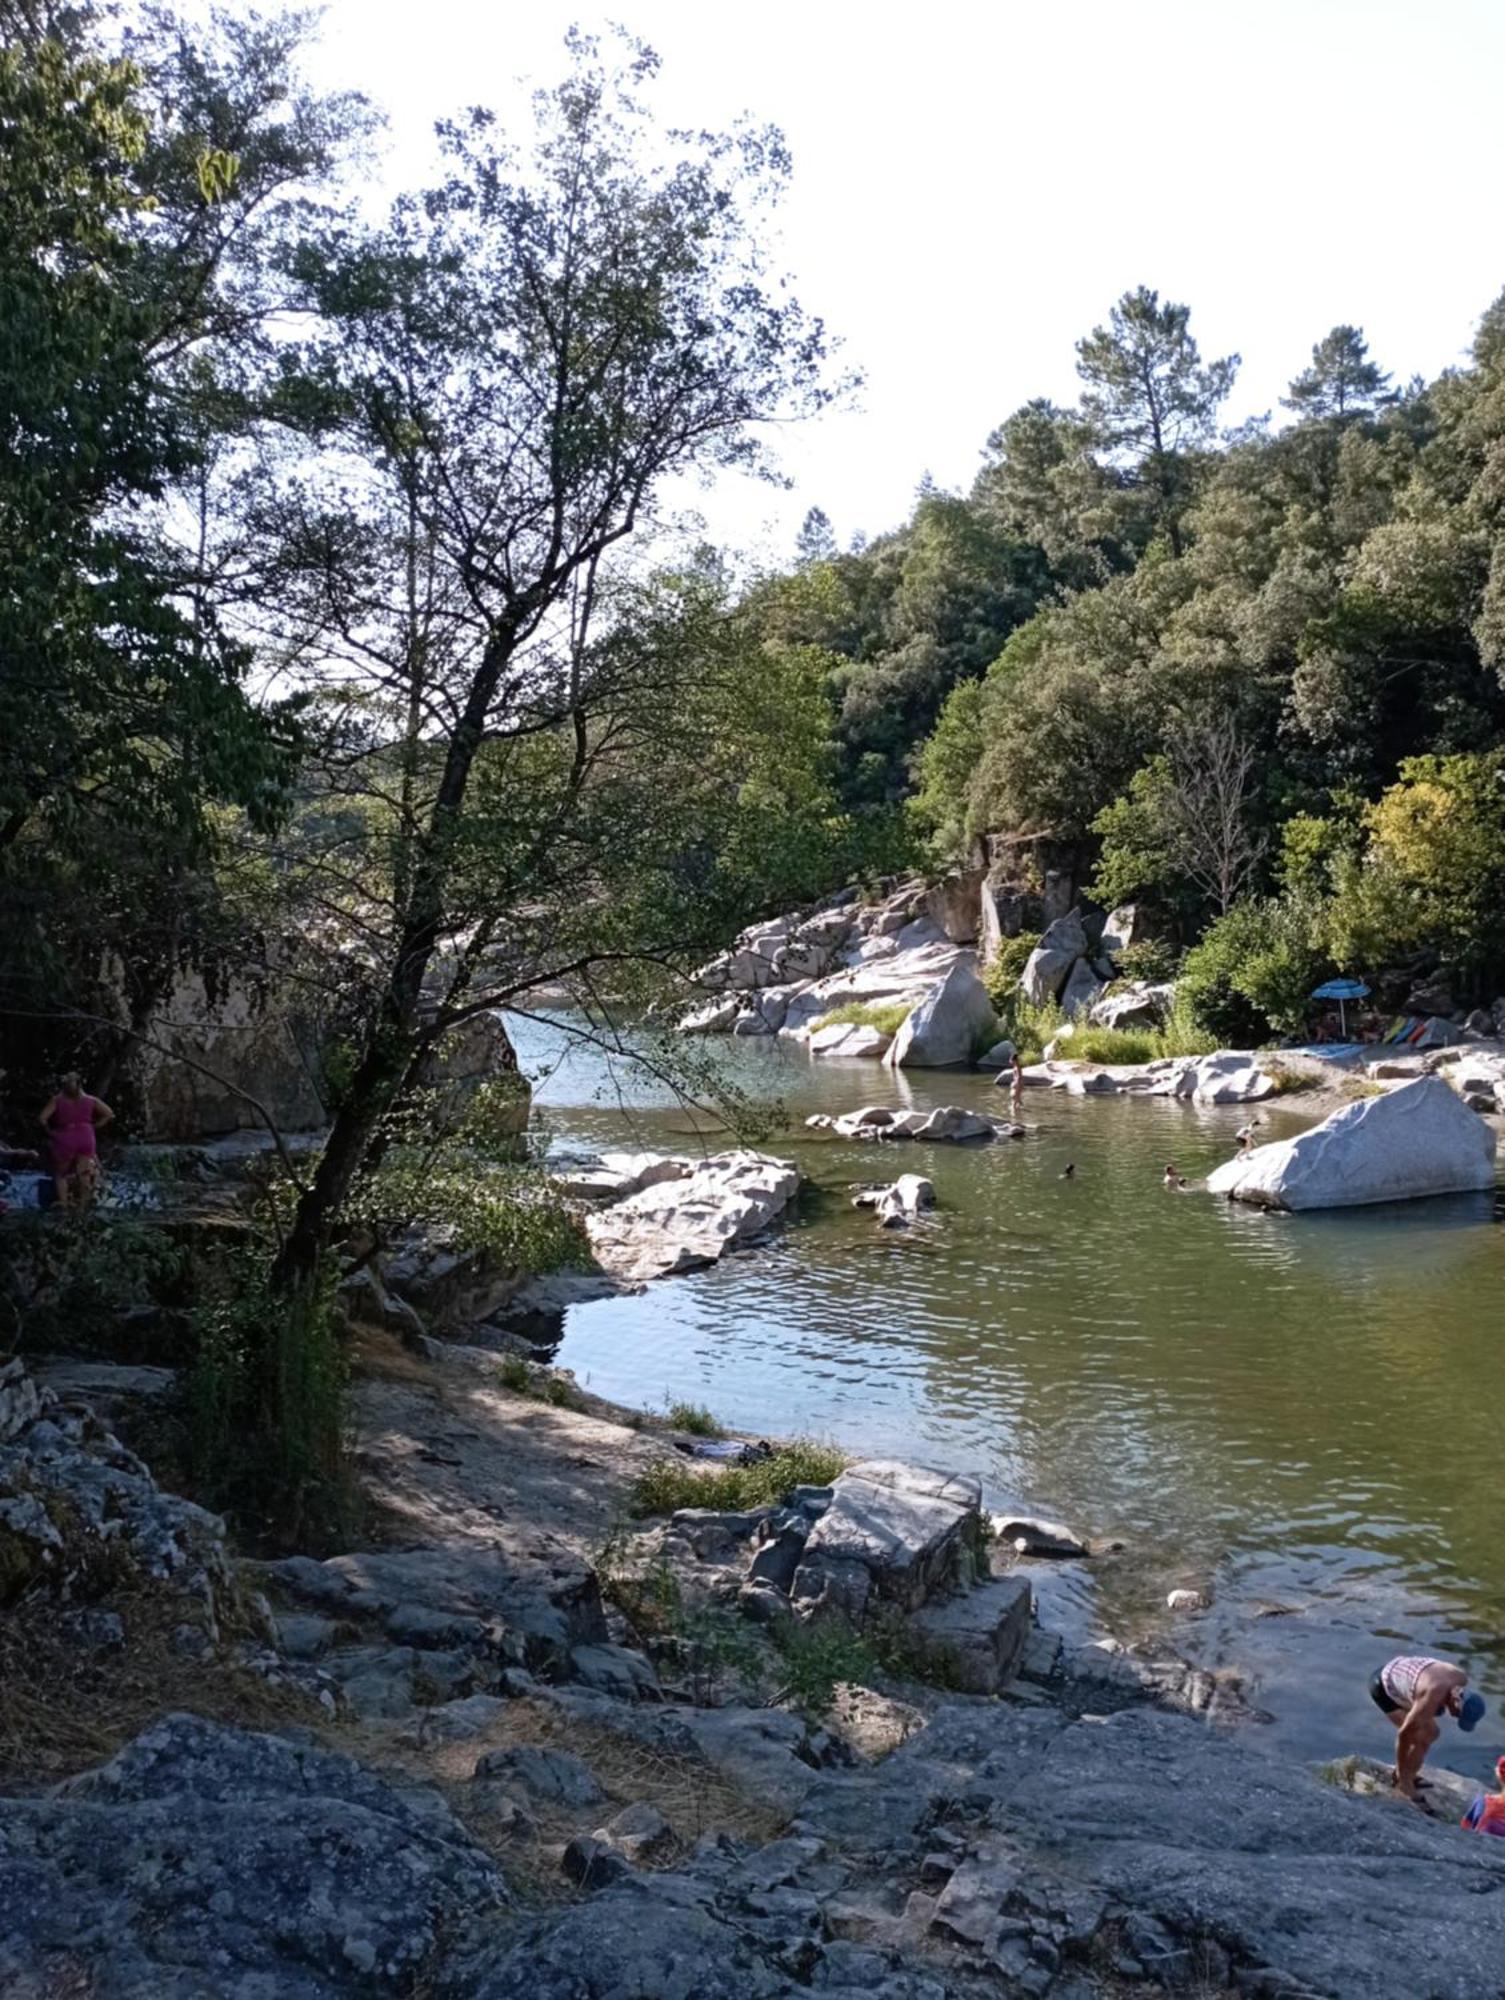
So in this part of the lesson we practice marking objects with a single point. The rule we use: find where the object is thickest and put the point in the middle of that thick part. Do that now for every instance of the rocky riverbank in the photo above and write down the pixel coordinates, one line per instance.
(529, 1738)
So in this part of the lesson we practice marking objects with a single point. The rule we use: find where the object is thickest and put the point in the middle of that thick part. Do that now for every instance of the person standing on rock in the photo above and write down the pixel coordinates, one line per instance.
(72, 1121)
(1413, 1690)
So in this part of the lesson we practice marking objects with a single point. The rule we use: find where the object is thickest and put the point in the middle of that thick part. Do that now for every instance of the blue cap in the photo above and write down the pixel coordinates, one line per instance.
(1471, 1711)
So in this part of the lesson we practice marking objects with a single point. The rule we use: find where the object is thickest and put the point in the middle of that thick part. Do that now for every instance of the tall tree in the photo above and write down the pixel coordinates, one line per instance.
(140, 193)
(1151, 398)
(816, 541)
(1342, 381)
(510, 371)
(1041, 483)
(143, 185)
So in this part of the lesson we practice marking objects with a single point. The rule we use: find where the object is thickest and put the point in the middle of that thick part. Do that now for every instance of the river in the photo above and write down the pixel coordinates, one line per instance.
(1302, 1414)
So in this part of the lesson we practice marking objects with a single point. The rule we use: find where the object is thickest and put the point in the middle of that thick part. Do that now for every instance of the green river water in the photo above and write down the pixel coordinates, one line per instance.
(1302, 1413)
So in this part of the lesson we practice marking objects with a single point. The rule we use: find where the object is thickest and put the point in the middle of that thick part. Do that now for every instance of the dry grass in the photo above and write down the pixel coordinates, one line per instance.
(65, 1708)
(373, 1351)
(695, 1799)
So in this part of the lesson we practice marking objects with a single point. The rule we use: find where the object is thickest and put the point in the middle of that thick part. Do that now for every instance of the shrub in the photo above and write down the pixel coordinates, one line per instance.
(676, 1482)
(1030, 1027)
(1151, 960)
(1115, 1045)
(818, 1658)
(1252, 975)
(886, 1016)
(694, 1418)
(515, 1374)
(267, 1399)
(1002, 976)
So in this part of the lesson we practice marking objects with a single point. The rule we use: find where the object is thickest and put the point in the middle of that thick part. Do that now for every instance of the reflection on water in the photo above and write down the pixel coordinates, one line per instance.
(1304, 1410)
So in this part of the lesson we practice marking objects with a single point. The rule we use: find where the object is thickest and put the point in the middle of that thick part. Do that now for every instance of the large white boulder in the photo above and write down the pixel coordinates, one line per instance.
(682, 1223)
(714, 1018)
(1045, 973)
(1051, 963)
(1121, 928)
(1419, 1139)
(878, 1121)
(946, 1025)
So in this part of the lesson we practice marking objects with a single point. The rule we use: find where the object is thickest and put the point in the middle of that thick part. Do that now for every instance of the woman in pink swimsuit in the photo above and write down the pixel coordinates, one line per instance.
(71, 1121)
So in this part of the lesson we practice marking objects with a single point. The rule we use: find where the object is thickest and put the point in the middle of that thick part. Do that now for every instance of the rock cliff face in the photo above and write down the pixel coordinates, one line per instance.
(226, 1062)
(210, 1056)
(907, 954)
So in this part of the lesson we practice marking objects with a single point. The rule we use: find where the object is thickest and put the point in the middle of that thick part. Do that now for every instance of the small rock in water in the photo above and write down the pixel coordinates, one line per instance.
(1188, 1600)
(1038, 1538)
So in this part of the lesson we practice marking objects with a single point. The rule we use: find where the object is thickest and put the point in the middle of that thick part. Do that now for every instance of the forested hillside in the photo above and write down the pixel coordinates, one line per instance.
(1256, 678)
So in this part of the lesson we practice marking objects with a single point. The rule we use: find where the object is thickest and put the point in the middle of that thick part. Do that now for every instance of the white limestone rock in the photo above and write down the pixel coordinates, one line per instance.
(898, 1204)
(850, 1038)
(946, 1026)
(684, 1224)
(1139, 1004)
(1417, 1140)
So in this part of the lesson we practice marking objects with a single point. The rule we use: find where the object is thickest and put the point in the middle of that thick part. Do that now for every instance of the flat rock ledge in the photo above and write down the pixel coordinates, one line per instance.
(1001, 1848)
(948, 1123)
(1085, 1834)
(683, 1214)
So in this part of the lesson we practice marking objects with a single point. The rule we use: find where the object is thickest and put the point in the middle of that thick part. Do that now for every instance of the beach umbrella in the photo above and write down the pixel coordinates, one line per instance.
(1342, 990)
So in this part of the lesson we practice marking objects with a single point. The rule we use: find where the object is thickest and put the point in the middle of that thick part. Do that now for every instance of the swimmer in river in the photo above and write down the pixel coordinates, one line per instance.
(1068, 1172)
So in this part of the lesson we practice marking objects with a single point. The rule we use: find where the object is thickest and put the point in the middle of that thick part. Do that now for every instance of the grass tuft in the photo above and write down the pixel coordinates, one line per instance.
(888, 1017)
(694, 1418)
(671, 1483)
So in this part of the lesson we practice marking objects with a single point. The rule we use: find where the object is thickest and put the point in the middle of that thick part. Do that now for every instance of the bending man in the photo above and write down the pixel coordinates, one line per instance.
(1413, 1691)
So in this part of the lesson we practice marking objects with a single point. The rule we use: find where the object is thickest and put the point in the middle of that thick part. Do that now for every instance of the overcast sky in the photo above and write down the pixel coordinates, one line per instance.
(975, 185)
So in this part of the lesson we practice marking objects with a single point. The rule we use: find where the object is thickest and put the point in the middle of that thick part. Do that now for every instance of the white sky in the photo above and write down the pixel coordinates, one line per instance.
(975, 185)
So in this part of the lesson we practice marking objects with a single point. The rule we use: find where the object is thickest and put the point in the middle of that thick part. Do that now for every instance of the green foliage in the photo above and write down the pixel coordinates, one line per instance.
(1149, 396)
(693, 1418)
(1432, 873)
(1153, 960)
(886, 1016)
(1320, 606)
(676, 1482)
(943, 768)
(1252, 975)
(66, 1279)
(1179, 1037)
(1113, 1045)
(1029, 1027)
(1342, 381)
(816, 1659)
(1002, 975)
(267, 1397)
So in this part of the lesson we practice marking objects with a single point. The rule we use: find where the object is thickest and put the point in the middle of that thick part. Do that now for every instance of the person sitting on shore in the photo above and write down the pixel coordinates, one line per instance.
(72, 1121)
(1413, 1691)
(1487, 1813)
